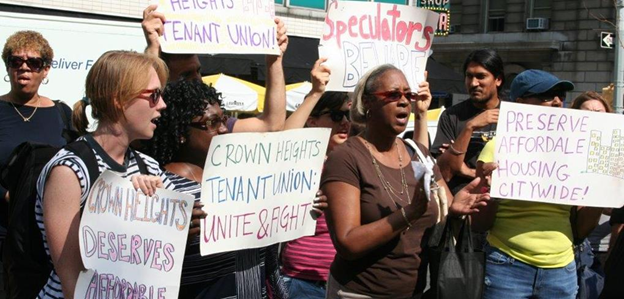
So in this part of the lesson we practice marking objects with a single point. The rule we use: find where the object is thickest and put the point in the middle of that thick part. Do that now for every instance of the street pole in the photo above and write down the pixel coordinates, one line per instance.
(618, 95)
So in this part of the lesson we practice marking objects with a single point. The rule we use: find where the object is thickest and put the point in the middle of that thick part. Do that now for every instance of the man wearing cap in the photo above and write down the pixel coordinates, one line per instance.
(529, 246)
(464, 128)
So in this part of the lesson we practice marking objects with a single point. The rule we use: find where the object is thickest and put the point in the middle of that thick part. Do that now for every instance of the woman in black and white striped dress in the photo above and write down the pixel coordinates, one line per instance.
(181, 141)
(124, 89)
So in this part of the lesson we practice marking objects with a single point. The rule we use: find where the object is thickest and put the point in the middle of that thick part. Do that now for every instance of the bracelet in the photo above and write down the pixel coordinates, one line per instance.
(409, 224)
(454, 151)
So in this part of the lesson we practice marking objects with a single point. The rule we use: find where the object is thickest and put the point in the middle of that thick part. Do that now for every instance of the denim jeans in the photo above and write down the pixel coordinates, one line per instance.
(304, 289)
(506, 277)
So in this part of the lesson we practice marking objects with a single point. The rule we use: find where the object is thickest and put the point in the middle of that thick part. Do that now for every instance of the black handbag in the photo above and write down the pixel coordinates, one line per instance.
(457, 270)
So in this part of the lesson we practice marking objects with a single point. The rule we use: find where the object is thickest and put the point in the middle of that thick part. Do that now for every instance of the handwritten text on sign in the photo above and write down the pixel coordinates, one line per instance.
(258, 188)
(558, 155)
(224, 26)
(132, 244)
(358, 36)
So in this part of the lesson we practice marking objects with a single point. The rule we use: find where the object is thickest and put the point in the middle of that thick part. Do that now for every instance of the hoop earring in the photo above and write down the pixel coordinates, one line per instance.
(6, 78)
(45, 81)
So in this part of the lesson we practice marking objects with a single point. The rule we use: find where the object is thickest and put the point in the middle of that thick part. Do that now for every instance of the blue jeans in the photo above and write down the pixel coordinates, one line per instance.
(506, 277)
(304, 289)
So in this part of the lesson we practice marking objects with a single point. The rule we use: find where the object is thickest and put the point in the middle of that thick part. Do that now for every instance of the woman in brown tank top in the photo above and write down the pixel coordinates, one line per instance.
(378, 209)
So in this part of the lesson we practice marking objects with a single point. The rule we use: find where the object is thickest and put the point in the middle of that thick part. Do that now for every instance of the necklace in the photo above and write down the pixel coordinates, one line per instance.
(392, 193)
(26, 119)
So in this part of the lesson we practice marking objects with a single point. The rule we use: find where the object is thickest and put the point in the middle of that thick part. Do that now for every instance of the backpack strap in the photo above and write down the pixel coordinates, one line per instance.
(69, 134)
(140, 162)
(82, 149)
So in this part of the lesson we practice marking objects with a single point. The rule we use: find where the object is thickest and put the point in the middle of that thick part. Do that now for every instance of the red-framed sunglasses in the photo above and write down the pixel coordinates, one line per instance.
(34, 63)
(395, 95)
(153, 97)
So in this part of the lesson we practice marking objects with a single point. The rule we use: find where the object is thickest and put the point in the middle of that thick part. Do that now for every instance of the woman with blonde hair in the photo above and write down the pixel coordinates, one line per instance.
(124, 90)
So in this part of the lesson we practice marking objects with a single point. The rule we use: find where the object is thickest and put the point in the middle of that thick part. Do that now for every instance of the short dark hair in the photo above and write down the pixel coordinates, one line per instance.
(330, 100)
(185, 99)
(490, 60)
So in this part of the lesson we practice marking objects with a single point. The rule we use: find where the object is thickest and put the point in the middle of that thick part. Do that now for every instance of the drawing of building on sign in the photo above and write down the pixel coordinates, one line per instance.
(606, 159)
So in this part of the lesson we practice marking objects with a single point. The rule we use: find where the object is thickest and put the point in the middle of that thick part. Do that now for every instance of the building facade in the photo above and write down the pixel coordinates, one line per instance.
(559, 36)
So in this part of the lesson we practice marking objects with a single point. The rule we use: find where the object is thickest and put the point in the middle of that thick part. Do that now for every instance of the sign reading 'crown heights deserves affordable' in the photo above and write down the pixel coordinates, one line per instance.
(559, 156)
(258, 188)
(132, 245)
(358, 36)
(225, 26)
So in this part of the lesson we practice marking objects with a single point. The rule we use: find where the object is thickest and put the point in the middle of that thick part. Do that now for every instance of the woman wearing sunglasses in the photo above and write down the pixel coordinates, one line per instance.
(124, 89)
(25, 115)
(180, 144)
(305, 261)
(378, 210)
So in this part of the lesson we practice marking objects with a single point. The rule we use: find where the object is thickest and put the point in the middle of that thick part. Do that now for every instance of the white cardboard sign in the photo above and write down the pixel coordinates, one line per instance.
(258, 188)
(132, 245)
(560, 156)
(357, 36)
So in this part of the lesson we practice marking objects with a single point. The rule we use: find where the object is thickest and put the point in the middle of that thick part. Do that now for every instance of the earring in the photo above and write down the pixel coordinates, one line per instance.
(6, 78)
(367, 113)
(182, 140)
(45, 81)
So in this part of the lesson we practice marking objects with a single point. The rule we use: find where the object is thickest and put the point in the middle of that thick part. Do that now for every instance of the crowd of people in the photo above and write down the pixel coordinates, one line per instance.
(374, 213)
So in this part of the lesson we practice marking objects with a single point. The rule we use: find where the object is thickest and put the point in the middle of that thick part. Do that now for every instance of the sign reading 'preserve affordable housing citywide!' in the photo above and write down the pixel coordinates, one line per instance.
(131, 244)
(224, 26)
(258, 188)
(560, 156)
(358, 36)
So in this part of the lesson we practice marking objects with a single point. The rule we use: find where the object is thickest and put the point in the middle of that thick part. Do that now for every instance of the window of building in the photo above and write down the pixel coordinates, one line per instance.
(280, 2)
(456, 20)
(541, 8)
(496, 15)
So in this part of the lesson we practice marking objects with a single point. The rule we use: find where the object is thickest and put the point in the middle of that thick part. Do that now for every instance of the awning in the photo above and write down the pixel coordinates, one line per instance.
(298, 61)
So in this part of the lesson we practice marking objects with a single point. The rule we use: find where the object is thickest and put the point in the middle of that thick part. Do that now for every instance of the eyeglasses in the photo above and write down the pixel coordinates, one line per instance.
(33, 63)
(153, 97)
(395, 95)
(548, 96)
(212, 124)
(337, 115)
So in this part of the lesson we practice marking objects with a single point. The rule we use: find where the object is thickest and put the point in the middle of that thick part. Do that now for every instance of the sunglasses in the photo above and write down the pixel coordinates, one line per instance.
(153, 97)
(337, 115)
(395, 95)
(212, 124)
(548, 96)
(33, 63)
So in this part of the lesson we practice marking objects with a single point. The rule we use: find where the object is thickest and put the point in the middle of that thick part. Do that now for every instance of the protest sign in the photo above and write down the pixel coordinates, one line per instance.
(212, 27)
(560, 156)
(132, 245)
(258, 188)
(357, 36)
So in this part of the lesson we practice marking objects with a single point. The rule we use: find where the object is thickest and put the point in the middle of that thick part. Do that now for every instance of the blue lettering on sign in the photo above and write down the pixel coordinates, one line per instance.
(66, 64)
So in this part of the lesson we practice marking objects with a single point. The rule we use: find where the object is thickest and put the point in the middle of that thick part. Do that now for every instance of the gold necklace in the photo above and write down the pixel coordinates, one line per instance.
(392, 193)
(26, 119)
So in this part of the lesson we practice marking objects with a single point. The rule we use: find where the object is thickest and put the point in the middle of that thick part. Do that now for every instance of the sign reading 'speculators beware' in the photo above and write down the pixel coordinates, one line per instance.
(357, 36)
(560, 156)
(131, 244)
(224, 26)
(258, 188)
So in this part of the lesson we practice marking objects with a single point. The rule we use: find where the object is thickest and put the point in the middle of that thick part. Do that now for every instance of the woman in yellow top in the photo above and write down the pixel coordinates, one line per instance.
(529, 250)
